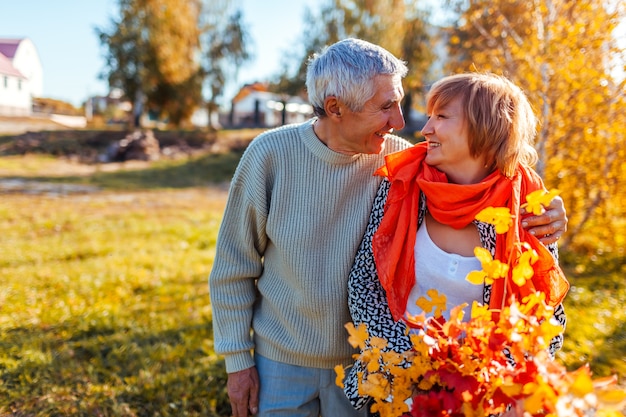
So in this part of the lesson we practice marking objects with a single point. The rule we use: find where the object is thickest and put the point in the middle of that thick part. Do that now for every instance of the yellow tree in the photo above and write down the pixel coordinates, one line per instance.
(151, 54)
(567, 57)
(174, 42)
(399, 26)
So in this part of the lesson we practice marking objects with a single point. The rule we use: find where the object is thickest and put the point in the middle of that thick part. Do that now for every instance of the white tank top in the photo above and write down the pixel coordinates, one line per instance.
(445, 272)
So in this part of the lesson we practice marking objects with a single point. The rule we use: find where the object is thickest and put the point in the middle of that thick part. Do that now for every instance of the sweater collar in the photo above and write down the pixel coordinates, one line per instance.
(320, 150)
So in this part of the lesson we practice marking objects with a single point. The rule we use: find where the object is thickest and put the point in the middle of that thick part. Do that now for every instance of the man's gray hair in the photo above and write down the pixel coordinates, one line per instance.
(346, 70)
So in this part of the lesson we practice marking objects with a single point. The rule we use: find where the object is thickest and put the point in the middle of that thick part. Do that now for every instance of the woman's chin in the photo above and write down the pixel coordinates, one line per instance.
(431, 160)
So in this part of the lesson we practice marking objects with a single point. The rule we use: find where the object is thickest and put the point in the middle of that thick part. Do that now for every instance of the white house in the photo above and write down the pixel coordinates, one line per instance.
(21, 76)
(255, 106)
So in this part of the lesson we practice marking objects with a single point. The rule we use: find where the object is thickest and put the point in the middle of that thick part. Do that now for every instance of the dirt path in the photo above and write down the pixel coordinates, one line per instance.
(19, 125)
(18, 173)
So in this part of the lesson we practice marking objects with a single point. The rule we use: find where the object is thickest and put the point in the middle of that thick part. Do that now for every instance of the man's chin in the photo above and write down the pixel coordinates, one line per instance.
(377, 146)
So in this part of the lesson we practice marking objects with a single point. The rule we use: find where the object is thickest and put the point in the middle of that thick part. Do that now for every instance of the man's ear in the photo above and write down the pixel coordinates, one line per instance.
(332, 106)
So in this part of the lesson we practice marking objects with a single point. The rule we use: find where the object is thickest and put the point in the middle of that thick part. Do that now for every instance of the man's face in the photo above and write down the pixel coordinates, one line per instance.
(364, 131)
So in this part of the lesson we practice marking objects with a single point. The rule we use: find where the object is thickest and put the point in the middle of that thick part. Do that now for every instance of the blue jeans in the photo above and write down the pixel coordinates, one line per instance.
(296, 391)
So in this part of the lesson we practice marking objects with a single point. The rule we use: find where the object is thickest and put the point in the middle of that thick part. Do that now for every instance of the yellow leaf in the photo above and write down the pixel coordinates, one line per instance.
(495, 270)
(492, 269)
(500, 217)
(425, 384)
(398, 406)
(613, 398)
(582, 384)
(550, 329)
(341, 374)
(480, 311)
(376, 386)
(609, 413)
(476, 277)
(511, 389)
(539, 393)
(483, 255)
(438, 302)
(372, 365)
(523, 271)
(378, 343)
(537, 200)
(358, 335)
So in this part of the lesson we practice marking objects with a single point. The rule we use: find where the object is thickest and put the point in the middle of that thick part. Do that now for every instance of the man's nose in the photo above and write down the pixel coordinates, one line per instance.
(397, 119)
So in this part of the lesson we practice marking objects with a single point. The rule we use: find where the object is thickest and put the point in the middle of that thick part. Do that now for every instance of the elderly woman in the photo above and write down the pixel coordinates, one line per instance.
(422, 229)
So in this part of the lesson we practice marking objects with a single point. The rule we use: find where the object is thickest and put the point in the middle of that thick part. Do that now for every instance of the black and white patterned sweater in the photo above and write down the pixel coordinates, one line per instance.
(368, 302)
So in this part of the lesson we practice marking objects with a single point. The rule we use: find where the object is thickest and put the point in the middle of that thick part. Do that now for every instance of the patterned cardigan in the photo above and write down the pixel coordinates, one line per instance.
(368, 302)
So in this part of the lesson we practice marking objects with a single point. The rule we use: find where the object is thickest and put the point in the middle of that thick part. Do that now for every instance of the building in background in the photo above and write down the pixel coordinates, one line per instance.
(254, 106)
(21, 76)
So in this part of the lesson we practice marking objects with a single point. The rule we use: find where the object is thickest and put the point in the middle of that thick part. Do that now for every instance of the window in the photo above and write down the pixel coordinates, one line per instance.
(6, 81)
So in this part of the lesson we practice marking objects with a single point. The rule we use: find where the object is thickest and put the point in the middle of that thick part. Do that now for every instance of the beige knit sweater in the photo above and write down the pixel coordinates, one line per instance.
(295, 216)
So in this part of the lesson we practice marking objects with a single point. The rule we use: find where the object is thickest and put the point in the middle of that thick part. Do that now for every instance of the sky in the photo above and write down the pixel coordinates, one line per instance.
(63, 32)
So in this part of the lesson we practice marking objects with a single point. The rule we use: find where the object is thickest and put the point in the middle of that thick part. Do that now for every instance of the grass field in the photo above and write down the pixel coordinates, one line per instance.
(104, 304)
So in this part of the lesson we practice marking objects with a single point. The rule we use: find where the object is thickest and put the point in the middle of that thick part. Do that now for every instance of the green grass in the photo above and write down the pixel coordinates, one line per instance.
(104, 304)
(596, 329)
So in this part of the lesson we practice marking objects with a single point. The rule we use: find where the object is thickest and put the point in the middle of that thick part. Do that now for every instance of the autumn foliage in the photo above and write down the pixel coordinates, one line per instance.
(479, 367)
(570, 58)
(496, 360)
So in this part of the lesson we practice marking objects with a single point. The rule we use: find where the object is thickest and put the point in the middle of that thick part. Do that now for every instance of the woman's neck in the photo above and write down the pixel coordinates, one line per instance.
(465, 177)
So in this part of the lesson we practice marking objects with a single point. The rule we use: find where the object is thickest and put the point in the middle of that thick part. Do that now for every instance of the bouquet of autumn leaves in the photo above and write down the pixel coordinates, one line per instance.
(484, 365)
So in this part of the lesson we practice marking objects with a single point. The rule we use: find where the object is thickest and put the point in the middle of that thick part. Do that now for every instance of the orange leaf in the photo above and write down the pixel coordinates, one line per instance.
(341, 374)
(358, 335)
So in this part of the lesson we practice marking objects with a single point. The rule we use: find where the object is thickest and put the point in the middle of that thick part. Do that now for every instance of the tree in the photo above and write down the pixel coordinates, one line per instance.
(152, 56)
(125, 55)
(161, 53)
(564, 54)
(397, 25)
(227, 48)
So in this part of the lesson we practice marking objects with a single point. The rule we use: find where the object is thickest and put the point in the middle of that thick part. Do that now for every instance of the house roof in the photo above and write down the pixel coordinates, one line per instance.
(7, 68)
(9, 46)
(248, 89)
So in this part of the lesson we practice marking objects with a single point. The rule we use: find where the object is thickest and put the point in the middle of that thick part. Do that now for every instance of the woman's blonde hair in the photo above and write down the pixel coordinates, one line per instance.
(501, 123)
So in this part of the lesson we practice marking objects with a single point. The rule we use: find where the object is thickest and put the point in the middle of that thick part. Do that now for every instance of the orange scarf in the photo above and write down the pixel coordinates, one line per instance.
(457, 206)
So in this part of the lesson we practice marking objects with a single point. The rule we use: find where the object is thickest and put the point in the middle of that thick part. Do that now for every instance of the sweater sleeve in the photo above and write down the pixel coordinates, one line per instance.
(238, 264)
(367, 300)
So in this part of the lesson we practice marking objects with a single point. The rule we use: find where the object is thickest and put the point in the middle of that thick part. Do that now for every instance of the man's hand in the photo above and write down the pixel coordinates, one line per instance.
(550, 225)
(243, 391)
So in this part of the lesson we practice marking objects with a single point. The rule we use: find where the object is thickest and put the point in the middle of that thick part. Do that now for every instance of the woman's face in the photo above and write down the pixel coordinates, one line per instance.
(448, 144)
